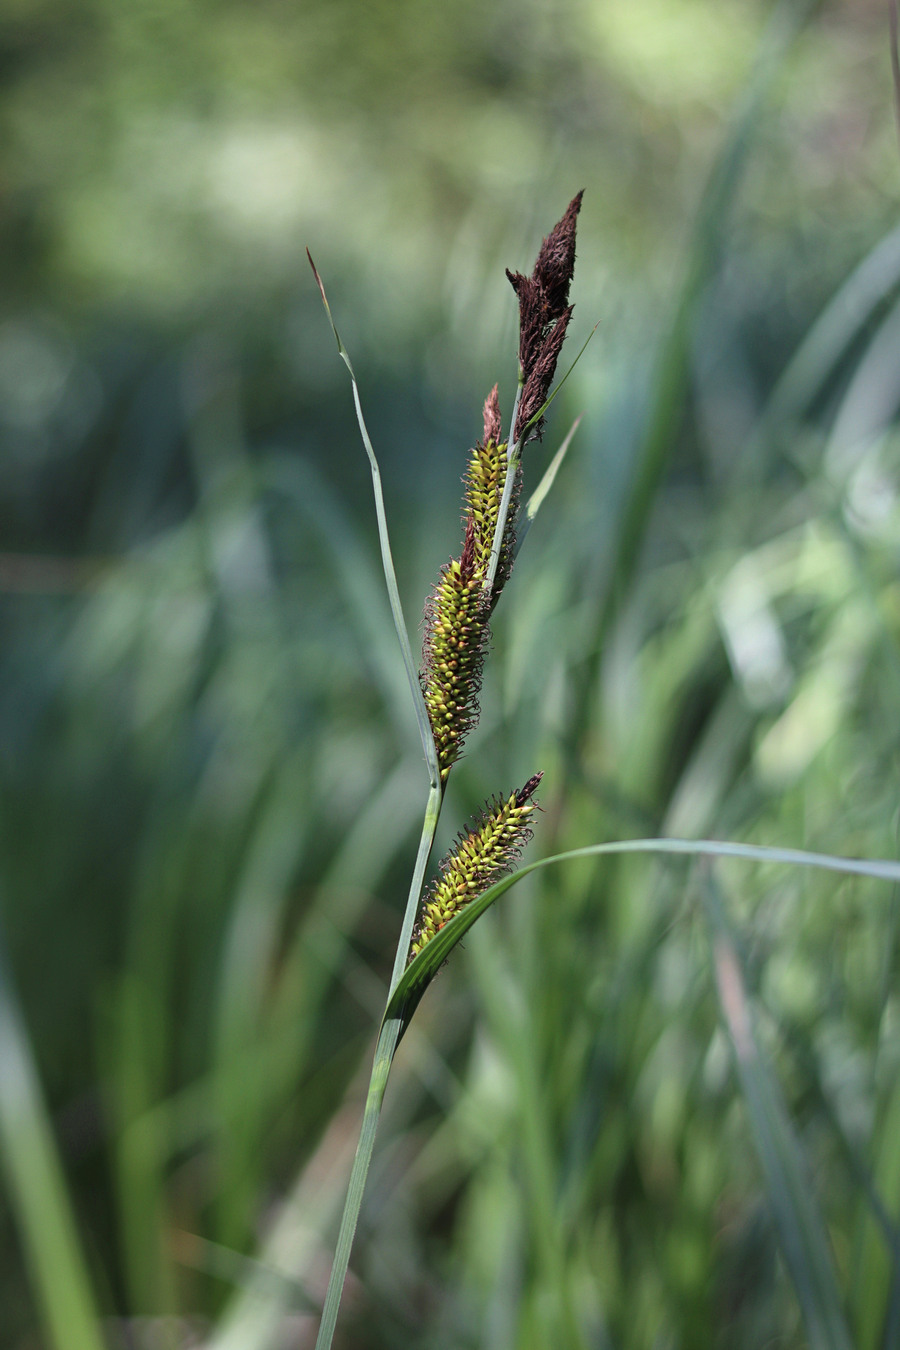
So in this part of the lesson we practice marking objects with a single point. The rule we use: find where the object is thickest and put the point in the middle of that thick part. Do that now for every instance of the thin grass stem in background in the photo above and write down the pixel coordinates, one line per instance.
(37, 1188)
(801, 1227)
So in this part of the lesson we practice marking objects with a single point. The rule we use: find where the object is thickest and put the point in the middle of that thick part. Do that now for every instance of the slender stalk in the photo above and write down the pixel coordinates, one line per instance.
(512, 462)
(37, 1194)
(392, 1027)
(512, 459)
(429, 825)
(384, 1054)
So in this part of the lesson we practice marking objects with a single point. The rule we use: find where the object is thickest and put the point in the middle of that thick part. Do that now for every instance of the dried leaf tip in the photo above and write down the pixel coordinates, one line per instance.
(483, 853)
(544, 314)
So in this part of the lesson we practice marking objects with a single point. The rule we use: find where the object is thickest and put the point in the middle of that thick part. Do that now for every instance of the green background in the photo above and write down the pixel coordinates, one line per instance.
(210, 780)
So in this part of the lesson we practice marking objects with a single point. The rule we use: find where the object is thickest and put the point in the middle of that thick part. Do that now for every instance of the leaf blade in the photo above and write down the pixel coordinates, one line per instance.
(420, 972)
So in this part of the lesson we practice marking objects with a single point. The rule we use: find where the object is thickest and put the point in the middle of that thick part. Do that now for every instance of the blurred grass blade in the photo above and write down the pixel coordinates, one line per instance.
(299, 480)
(801, 1227)
(254, 1317)
(876, 1290)
(420, 972)
(829, 339)
(387, 560)
(537, 498)
(672, 365)
(37, 1190)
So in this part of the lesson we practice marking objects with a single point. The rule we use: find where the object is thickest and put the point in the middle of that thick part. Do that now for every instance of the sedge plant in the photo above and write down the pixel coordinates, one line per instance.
(444, 688)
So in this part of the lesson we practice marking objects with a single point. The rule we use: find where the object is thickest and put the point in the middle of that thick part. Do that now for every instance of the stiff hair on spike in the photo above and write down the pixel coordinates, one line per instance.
(457, 614)
(544, 314)
(483, 853)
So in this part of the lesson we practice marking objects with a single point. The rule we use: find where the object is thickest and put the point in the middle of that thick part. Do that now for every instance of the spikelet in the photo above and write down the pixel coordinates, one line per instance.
(484, 483)
(483, 853)
(456, 637)
(457, 613)
(544, 314)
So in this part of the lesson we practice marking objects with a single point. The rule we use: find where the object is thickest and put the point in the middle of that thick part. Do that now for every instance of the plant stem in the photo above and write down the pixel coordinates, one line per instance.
(391, 1027)
(429, 825)
(512, 458)
(512, 461)
(384, 1054)
(38, 1197)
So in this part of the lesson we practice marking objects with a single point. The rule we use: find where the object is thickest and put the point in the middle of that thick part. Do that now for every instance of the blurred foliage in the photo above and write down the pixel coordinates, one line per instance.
(209, 773)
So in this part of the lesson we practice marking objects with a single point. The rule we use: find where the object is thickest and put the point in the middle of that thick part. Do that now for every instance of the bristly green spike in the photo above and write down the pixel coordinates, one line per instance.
(483, 852)
(458, 611)
(456, 637)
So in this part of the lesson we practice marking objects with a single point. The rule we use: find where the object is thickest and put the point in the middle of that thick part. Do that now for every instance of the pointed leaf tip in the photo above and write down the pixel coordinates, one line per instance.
(315, 273)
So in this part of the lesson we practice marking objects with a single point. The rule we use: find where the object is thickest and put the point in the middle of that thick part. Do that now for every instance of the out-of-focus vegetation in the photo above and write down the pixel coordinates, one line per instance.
(210, 777)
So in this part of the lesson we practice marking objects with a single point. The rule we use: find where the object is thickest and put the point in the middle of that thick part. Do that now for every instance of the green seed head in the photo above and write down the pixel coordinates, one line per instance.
(456, 617)
(456, 636)
(483, 853)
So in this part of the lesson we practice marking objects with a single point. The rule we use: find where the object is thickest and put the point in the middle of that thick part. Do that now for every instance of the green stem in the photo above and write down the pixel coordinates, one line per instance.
(384, 1054)
(512, 460)
(39, 1200)
(391, 1028)
(388, 1039)
(429, 825)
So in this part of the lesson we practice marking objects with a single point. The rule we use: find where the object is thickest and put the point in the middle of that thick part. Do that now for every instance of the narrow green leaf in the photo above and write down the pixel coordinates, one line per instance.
(559, 384)
(37, 1191)
(831, 336)
(671, 370)
(420, 972)
(387, 560)
(537, 498)
(874, 1295)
